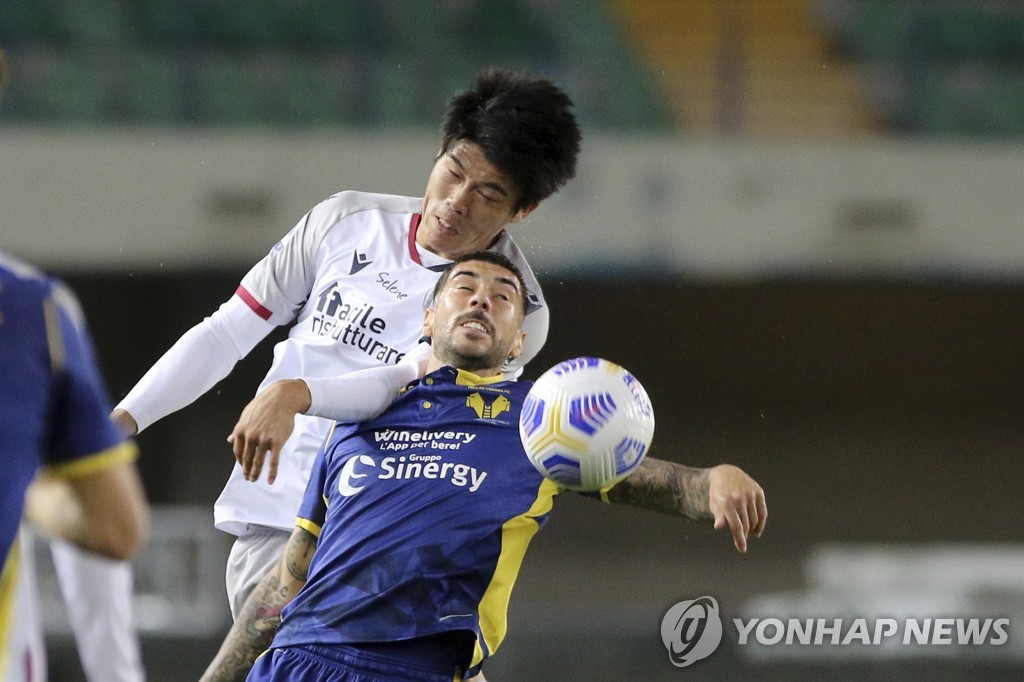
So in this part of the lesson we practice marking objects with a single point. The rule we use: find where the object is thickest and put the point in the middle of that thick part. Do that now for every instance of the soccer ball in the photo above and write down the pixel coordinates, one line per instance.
(586, 424)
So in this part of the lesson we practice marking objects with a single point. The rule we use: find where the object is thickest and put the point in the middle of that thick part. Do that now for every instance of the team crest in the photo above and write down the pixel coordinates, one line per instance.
(488, 411)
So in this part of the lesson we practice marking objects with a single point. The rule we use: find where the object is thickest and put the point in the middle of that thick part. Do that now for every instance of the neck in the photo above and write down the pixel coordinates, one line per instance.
(434, 363)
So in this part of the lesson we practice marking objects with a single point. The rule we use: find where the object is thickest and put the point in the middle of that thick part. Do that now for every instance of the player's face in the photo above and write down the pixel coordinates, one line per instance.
(476, 322)
(467, 204)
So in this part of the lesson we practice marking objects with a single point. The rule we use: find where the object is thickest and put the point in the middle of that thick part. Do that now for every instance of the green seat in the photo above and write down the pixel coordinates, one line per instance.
(415, 26)
(400, 93)
(498, 29)
(332, 25)
(87, 22)
(22, 22)
(877, 31)
(316, 92)
(972, 103)
(240, 23)
(149, 88)
(63, 87)
(163, 23)
(972, 34)
(232, 90)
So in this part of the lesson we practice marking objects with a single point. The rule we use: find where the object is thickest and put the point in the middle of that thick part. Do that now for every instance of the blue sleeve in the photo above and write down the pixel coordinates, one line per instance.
(81, 421)
(313, 510)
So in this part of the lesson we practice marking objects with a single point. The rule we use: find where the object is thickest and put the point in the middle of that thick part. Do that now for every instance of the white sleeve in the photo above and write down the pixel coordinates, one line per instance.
(364, 394)
(203, 356)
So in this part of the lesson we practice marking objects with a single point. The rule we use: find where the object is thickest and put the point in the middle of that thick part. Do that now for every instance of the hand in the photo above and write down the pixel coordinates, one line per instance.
(125, 422)
(738, 501)
(265, 424)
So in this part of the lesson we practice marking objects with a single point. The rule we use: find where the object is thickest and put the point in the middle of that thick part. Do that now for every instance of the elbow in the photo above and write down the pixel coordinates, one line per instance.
(125, 537)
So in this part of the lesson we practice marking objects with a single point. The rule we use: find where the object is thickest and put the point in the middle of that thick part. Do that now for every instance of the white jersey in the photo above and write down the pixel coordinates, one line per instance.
(352, 278)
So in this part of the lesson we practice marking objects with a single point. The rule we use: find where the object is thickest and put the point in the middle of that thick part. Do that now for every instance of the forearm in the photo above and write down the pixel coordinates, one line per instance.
(364, 394)
(194, 364)
(52, 507)
(260, 617)
(105, 512)
(251, 634)
(667, 488)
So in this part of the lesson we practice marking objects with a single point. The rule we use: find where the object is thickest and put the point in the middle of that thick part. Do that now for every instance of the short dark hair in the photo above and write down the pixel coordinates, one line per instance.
(487, 257)
(525, 127)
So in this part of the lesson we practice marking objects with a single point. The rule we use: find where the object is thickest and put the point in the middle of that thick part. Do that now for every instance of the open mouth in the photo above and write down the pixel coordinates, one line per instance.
(445, 227)
(476, 325)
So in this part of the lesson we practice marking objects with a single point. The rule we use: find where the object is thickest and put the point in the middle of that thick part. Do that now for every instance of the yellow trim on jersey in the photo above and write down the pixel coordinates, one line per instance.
(516, 534)
(8, 583)
(91, 464)
(465, 378)
(305, 524)
(308, 526)
(54, 339)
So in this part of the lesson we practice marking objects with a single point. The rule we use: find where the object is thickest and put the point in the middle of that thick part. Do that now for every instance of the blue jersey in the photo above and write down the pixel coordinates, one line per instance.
(54, 412)
(423, 516)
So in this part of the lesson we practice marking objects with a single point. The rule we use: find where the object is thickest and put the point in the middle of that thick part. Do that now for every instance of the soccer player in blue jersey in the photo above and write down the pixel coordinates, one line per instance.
(414, 523)
(66, 466)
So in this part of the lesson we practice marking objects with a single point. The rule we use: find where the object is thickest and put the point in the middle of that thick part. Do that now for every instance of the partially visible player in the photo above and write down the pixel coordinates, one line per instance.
(352, 280)
(415, 523)
(55, 431)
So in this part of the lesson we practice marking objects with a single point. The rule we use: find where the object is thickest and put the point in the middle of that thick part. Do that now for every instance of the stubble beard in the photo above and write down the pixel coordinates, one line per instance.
(450, 353)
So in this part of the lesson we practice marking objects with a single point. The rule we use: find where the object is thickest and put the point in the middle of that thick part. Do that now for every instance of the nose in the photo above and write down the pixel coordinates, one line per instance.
(481, 301)
(457, 200)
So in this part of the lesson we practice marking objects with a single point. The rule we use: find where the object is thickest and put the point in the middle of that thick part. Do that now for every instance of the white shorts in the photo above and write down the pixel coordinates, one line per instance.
(22, 650)
(98, 598)
(252, 556)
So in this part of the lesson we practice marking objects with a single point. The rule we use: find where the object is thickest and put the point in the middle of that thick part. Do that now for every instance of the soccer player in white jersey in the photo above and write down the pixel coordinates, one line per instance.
(352, 278)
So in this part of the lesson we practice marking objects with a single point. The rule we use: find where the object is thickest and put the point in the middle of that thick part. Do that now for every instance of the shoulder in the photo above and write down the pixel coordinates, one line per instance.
(25, 286)
(349, 202)
(507, 247)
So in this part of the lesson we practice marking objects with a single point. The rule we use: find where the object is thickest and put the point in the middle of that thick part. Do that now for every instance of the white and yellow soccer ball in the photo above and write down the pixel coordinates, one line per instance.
(586, 423)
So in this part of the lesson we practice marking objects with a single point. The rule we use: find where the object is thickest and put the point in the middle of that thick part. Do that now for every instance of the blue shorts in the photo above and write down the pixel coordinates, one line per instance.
(341, 663)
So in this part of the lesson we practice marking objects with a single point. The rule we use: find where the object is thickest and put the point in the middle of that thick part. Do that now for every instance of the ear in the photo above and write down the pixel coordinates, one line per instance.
(520, 215)
(428, 323)
(517, 346)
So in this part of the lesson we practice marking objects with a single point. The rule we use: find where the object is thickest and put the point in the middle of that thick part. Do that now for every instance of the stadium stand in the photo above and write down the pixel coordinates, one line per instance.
(939, 68)
(300, 63)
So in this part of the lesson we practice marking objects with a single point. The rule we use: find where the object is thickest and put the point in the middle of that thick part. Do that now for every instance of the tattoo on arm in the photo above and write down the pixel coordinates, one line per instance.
(667, 488)
(260, 617)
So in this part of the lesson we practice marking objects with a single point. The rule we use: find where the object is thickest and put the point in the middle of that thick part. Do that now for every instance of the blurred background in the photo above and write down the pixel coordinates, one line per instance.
(798, 222)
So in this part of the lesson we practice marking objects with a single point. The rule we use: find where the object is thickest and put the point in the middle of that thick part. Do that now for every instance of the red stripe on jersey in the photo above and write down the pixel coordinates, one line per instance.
(251, 301)
(413, 252)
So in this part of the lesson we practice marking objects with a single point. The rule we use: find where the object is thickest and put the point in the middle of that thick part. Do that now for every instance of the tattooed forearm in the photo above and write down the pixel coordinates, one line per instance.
(667, 488)
(251, 634)
(260, 617)
(299, 554)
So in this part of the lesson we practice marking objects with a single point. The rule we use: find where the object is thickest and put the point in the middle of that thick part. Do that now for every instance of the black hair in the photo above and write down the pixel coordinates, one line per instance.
(525, 127)
(487, 257)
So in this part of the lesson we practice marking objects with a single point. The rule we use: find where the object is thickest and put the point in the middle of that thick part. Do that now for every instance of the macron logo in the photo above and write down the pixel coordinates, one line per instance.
(359, 261)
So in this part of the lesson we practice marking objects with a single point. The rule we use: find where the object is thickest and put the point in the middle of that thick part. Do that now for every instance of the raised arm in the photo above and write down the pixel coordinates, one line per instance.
(256, 625)
(269, 418)
(723, 494)
(193, 365)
